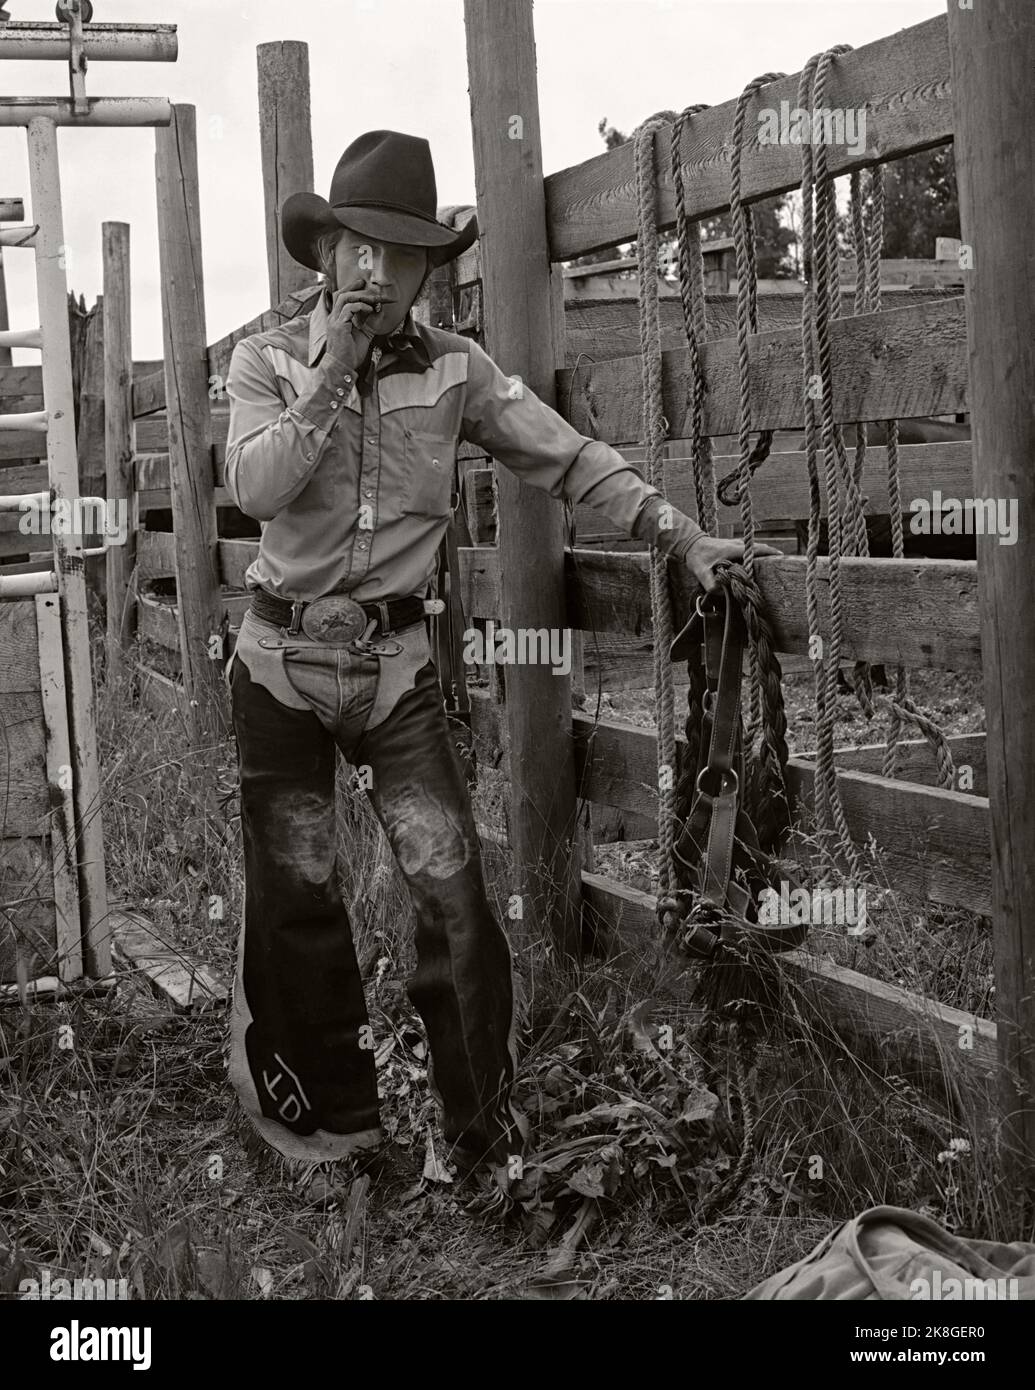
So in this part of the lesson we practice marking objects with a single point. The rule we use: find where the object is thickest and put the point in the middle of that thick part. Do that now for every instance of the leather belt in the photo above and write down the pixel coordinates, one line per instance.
(337, 617)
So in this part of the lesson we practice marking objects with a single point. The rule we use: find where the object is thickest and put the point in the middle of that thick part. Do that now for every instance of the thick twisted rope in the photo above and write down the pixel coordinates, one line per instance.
(822, 286)
(747, 324)
(692, 300)
(654, 434)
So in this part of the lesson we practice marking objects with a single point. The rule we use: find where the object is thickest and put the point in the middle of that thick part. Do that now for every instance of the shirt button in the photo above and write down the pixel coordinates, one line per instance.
(334, 405)
(366, 494)
(310, 457)
(362, 545)
(371, 439)
(341, 391)
(434, 463)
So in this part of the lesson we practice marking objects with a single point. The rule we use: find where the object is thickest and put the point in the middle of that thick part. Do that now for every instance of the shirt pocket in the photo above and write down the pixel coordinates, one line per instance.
(429, 464)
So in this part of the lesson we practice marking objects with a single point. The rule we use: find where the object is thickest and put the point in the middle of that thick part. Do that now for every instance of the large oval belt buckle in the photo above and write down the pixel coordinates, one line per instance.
(335, 618)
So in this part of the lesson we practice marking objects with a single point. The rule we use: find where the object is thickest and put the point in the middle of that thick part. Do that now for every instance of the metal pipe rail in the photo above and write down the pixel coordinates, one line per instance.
(26, 585)
(141, 43)
(101, 111)
(19, 236)
(35, 420)
(21, 338)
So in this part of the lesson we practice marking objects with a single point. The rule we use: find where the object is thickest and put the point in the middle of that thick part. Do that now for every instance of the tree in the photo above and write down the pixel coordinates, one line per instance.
(921, 203)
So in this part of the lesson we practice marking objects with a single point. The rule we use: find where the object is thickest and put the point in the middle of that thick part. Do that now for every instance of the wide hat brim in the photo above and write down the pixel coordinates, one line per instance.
(304, 216)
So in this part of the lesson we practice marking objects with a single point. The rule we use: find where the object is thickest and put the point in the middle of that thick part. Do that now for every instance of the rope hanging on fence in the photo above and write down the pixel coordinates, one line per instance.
(690, 264)
(846, 521)
(654, 434)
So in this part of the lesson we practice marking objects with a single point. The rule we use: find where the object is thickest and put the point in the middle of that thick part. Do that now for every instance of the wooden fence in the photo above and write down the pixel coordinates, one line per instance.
(929, 353)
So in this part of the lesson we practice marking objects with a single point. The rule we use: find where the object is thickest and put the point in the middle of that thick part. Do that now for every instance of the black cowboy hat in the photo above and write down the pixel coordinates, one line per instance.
(383, 187)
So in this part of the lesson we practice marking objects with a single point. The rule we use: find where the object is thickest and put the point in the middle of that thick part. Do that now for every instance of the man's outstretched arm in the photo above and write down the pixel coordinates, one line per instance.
(510, 422)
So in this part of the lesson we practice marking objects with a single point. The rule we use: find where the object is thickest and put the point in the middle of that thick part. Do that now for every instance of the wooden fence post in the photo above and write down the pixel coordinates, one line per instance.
(118, 430)
(90, 434)
(285, 132)
(992, 47)
(519, 307)
(200, 608)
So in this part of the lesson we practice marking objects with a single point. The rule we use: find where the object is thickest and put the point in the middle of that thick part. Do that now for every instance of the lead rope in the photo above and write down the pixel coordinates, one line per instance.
(655, 430)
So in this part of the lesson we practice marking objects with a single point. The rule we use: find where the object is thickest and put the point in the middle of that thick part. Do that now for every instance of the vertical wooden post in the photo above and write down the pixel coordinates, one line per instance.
(201, 611)
(518, 306)
(285, 133)
(992, 48)
(63, 471)
(90, 434)
(118, 430)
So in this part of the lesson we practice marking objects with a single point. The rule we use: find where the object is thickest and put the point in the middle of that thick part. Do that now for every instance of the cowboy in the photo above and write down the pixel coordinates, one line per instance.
(344, 425)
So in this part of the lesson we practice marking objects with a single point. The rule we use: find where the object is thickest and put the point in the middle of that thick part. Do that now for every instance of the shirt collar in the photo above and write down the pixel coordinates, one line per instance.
(406, 342)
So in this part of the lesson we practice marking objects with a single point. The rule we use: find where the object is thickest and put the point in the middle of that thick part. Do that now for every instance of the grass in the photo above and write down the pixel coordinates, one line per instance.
(118, 1158)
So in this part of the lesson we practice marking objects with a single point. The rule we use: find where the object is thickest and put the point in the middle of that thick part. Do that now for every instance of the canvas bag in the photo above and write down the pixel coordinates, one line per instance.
(879, 1254)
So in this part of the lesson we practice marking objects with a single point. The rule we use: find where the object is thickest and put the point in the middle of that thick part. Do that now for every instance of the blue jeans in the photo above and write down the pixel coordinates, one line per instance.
(301, 1049)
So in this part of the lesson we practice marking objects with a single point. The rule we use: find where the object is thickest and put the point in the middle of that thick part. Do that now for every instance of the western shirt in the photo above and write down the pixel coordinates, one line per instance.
(351, 474)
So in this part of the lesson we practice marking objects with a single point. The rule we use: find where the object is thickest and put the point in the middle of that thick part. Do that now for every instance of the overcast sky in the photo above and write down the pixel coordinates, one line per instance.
(399, 64)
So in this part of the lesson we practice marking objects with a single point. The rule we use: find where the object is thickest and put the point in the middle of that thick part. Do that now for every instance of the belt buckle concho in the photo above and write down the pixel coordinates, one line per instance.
(340, 620)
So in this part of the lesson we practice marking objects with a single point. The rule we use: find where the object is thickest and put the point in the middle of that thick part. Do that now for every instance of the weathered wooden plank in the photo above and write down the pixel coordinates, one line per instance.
(910, 612)
(26, 800)
(900, 363)
(26, 380)
(611, 327)
(160, 499)
(157, 621)
(234, 559)
(26, 879)
(902, 81)
(22, 445)
(185, 983)
(933, 844)
(779, 491)
(151, 473)
(156, 555)
(917, 763)
(67, 918)
(911, 1028)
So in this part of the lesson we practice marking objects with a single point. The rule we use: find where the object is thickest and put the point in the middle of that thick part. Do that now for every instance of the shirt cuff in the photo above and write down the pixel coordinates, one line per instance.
(323, 405)
(666, 528)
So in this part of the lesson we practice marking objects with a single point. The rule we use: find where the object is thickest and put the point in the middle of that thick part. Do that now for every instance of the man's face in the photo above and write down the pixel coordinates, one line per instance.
(390, 267)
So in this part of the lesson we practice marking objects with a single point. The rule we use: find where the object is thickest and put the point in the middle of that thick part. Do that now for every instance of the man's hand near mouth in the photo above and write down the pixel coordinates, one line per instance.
(348, 341)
